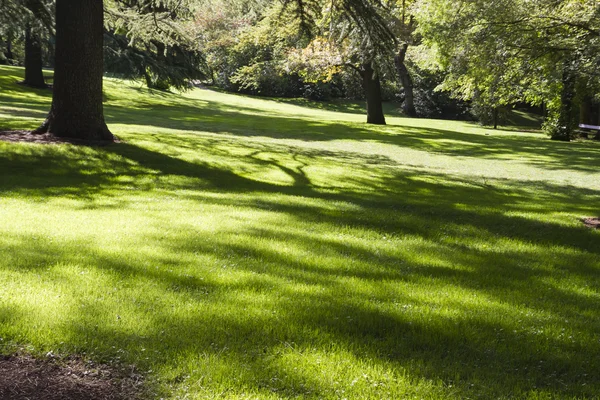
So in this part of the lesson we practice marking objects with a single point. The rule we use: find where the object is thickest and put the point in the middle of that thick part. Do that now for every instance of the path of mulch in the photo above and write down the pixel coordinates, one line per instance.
(591, 222)
(23, 377)
(46, 138)
(27, 136)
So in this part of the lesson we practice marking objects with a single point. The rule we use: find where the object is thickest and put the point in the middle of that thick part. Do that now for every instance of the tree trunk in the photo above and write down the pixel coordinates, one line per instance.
(586, 110)
(372, 87)
(565, 119)
(407, 84)
(76, 110)
(585, 113)
(34, 76)
(8, 53)
(51, 52)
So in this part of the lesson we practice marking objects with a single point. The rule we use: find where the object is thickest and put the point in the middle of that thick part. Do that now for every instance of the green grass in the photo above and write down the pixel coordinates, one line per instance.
(238, 248)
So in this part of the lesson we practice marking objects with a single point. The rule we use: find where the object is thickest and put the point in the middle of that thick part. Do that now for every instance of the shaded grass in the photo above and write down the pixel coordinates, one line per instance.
(241, 248)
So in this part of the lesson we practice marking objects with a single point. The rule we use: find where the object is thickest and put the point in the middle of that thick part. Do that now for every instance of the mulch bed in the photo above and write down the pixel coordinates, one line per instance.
(24, 377)
(591, 222)
(46, 138)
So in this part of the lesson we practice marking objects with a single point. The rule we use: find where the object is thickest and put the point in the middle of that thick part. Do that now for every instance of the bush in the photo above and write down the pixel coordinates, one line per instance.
(265, 79)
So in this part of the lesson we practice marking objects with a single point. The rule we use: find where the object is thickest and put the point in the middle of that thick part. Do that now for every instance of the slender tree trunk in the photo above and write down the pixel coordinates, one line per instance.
(34, 76)
(585, 113)
(8, 53)
(597, 119)
(565, 120)
(544, 110)
(496, 117)
(585, 110)
(407, 84)
(76, 110)
(372, 87)
(50, 55)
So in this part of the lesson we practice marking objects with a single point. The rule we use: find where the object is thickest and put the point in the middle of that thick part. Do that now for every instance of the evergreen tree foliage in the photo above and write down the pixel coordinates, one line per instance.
(150, 40)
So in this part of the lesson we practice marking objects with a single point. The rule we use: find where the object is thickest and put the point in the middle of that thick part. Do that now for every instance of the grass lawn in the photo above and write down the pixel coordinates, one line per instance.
(241, 248)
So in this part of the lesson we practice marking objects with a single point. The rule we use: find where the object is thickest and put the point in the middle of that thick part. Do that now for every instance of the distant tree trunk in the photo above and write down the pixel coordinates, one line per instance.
(585, 113)
(565, 120)
(544, 110)
(372, 87)
(495, 117)
(34, 76)
(50, 51)
(76, 110)
(406, 81)
(585, 110)
(8, 53)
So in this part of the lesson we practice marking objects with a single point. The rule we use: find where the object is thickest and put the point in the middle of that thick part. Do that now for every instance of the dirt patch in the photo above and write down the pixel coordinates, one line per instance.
(46, 138)
(23, 377)
(591, 222)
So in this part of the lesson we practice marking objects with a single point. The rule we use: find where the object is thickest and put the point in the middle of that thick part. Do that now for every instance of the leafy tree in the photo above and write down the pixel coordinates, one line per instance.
(402, 24)
(227, 33)
(256, 57)
(352, 44)
(498, 52)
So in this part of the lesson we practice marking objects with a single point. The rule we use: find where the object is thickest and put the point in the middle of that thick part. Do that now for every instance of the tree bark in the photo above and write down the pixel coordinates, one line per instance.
(495, 112)
(585, 113)
(407, 84)
(8, 53)
(565, 119)
(76, 110)
(372, 87)
(34, 76)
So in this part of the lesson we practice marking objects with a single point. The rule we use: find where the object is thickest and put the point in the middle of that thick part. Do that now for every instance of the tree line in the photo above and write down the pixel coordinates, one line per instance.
(440, 58)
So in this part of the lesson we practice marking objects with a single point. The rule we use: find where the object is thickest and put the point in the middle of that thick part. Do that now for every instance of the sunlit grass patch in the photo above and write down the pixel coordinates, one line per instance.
(241, 248)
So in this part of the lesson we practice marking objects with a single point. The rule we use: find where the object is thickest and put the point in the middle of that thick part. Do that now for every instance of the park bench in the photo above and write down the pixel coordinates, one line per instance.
(591, 127)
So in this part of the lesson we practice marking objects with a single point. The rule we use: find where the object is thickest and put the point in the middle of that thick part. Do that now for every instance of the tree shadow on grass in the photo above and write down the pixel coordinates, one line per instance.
(43, 171)
(468, 348)
(171, 111)
(395, 306)
(243, 121)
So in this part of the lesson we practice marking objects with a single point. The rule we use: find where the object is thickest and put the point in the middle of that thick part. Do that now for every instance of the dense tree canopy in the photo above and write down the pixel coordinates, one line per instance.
(500, 52)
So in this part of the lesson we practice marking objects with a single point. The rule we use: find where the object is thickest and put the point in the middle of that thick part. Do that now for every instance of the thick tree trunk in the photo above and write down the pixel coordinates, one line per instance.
(565, 119)
(34, 76)
(372, 87)
(76, 110)
(407, 84)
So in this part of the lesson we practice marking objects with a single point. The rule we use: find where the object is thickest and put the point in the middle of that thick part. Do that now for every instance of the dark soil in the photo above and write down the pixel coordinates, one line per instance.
(23, 377)
(46, 138)
(592, 222)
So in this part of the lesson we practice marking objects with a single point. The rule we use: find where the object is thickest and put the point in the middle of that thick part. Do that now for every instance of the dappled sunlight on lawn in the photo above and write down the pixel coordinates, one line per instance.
(229, 249)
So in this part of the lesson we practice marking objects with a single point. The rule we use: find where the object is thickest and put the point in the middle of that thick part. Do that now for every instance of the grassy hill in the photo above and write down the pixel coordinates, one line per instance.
(232, 247)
